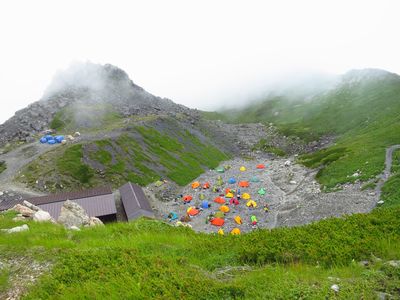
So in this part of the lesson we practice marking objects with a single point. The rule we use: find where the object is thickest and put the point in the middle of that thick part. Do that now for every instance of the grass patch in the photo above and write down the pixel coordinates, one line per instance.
(3, 166)
(71, 164)
(263, 145)
(150, 259)
(4, 277)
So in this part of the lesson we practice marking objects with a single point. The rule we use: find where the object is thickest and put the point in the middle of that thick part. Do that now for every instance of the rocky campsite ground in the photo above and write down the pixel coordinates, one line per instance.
(292, 194)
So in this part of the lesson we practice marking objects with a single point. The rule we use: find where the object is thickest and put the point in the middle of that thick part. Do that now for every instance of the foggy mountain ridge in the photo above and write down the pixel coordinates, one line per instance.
(87, 85)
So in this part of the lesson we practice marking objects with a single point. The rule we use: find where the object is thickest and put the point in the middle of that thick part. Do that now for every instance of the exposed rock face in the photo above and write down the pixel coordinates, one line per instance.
(88, 84)
(73, 215)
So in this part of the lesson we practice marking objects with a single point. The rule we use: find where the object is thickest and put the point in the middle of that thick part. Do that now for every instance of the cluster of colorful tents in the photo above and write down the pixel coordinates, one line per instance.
(226, 199)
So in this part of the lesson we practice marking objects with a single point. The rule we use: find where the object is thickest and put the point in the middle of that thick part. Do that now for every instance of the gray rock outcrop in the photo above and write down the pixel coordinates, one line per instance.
(73, 215)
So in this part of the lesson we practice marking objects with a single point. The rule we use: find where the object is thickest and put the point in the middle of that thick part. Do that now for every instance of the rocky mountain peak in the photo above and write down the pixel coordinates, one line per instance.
(88, 85)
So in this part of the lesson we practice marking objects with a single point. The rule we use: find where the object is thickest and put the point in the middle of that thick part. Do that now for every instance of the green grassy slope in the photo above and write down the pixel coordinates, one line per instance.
(151, 260)
(363, 111)
(141, 154)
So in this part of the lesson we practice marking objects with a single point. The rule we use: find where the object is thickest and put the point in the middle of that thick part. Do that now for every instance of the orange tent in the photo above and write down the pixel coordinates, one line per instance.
(260, 166)
(192, 211)
(217, 222)
(206, 185)
(244, 184)
(195, 185)
(219, 200)
(187, 198)
(224, 208)
(235, 231)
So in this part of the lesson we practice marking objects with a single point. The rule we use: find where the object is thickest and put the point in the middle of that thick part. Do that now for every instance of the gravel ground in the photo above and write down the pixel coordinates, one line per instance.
(293, 195)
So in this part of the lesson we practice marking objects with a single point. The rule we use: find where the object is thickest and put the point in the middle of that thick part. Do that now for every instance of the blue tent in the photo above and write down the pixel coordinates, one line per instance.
(205, 204)
(43, 140)
(172, 216)
(59, 138)
(51, 142)
(232, 180)
(49, 137)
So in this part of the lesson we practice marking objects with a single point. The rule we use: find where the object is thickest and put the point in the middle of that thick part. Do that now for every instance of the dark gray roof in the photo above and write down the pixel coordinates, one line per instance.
(98, 191)
(96, 202)
(134, 201)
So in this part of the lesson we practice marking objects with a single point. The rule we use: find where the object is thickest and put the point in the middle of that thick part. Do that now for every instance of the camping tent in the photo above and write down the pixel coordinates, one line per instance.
(224, 208)
(229, 195)
(217, 222)
(195, 185)
(261, 191)
(220, 231)
(244, 184)
(251, 203)
(234, 201)
(206, 185)
(219, 214)
(242, 169)
(255, 179)
(202, 196)
(205, 204)
(219, 200)
(220, 170)
(238, 220)
(246, 196)
(192, 211)
(260, 166)
(235, 231)
(187, 198)
(232, 180)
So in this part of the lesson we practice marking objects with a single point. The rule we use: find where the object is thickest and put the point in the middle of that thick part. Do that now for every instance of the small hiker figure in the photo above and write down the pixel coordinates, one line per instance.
(266, 208)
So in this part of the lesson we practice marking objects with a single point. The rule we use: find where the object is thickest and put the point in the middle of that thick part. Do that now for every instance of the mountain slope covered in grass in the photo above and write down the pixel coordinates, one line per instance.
(362, 110)
(142, 152)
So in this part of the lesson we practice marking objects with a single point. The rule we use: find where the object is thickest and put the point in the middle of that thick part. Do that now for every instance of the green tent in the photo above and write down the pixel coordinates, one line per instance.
(220, 182)
(202, 197)
(261, 191)
(220, 170)
(219, 214)
(255, 179)
(158, 183)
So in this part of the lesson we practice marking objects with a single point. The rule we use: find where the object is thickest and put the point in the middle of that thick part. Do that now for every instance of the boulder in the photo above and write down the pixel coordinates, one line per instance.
(335, 288)
(394, 263)
(287, 163)
(23, 210)
(72, 214)
(16, 229)
(42, 216)
(93, 221)
(30, 205)
(19, 219)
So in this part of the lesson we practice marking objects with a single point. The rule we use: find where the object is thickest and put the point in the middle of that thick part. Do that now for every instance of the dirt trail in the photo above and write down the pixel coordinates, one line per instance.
(388, 166)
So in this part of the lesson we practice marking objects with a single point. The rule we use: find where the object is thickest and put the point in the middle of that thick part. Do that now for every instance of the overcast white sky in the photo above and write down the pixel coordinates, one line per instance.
(198, 53)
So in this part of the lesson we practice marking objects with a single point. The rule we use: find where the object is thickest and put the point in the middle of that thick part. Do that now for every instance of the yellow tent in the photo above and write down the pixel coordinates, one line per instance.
(251, 203)
(229, 195)
(238, 220)
(224, 208)
(220, 231)
(246, 196)
(242, 169)
(235, 231)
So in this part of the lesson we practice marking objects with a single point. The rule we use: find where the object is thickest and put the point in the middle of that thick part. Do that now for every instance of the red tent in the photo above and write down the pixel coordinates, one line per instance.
(260, 166)
(219, 200)
(217, 222)
(187, 198)
(234, 201)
